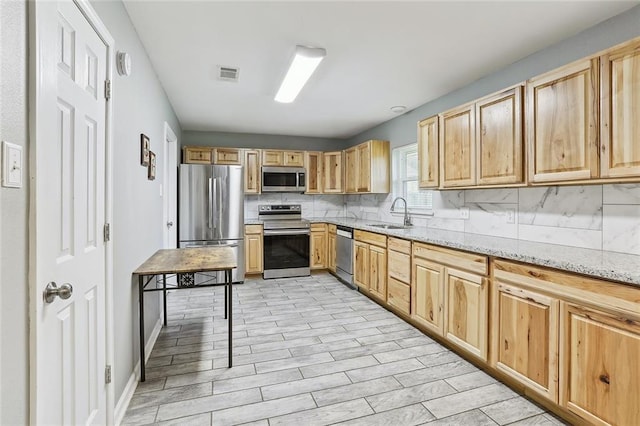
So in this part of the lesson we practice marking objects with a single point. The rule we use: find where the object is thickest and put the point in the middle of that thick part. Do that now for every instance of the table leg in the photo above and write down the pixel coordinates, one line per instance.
(141, 299)
(164, 296)
(229, 279)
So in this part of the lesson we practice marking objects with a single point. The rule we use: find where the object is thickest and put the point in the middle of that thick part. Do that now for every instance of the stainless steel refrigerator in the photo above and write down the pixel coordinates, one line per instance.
(211, 212)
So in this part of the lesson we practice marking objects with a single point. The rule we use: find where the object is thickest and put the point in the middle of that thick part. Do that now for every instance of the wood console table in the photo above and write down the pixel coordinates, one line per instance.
(185, 261)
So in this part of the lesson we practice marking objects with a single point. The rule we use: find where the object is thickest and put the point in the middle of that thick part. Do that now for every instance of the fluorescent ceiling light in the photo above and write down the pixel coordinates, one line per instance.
(303, 65)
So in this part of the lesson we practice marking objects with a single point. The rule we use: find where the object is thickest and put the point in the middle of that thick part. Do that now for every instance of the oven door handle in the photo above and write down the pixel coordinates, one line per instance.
(269, 232)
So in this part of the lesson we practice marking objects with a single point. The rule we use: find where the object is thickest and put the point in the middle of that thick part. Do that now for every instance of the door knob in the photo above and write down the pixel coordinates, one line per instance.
(51, 291)
(169, 224)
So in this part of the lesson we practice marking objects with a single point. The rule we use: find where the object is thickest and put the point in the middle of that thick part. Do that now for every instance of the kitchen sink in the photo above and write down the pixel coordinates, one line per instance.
(385, 226)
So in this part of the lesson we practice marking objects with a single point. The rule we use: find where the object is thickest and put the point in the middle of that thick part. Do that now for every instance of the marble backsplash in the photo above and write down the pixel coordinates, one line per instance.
(602, 217)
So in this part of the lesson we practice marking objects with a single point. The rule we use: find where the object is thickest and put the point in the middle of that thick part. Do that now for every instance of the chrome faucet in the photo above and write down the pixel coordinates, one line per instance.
(407, 219)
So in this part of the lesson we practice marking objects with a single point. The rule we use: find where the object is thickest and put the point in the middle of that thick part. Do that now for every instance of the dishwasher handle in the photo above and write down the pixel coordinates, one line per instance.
(345, 234)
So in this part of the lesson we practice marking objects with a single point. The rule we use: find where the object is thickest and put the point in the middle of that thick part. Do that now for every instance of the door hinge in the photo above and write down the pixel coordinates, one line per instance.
(107, 89)
(107, 374)
(106, 231)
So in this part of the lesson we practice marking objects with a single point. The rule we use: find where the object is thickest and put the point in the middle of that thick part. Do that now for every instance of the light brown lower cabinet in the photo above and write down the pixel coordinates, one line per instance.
(253, 249)
(450, 292)
(466, 311)
(318, 246)
(526, 324)
(331, 248)
(600, 365)
(399, 274)
(370, 263)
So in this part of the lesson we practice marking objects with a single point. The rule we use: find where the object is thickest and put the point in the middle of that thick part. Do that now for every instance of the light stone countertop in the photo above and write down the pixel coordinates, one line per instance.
(613, 266)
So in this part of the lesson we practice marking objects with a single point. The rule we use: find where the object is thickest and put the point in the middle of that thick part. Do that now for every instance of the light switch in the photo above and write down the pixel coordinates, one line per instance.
(11, 165)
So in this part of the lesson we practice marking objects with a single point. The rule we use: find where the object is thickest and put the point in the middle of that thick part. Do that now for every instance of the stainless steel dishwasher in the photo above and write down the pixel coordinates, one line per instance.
(344, 255)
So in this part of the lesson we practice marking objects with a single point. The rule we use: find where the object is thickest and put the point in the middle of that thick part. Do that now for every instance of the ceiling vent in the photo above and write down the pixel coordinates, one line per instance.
(228, 73)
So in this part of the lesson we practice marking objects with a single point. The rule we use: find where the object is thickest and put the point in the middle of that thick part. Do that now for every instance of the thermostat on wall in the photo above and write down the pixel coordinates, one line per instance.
(124, 63)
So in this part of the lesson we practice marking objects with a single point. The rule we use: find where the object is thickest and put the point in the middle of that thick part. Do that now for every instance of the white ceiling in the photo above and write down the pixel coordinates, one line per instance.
(379, 54)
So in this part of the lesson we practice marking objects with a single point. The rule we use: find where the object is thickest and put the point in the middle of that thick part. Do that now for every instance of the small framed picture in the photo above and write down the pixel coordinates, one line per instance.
(152, 166)
(144, 150)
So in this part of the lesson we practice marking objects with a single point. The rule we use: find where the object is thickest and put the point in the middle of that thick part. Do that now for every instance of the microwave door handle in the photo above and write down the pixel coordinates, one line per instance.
(209, 208)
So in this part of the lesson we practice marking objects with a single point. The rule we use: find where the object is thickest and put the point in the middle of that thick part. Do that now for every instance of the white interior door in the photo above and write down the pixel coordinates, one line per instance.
(68, 214)
(170, 193)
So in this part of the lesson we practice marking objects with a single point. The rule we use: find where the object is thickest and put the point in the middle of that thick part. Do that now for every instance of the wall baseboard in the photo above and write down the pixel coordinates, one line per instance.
(134, 379)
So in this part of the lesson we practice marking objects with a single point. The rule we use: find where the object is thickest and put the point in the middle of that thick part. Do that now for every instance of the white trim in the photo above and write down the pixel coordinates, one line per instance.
(169, 139)
(132, 383)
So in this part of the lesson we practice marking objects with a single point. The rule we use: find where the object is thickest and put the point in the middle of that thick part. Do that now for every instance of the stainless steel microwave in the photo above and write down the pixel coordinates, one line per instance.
(283, 179)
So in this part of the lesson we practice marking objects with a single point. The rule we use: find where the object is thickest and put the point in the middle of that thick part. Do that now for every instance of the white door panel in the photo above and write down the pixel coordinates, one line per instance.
(68, 335)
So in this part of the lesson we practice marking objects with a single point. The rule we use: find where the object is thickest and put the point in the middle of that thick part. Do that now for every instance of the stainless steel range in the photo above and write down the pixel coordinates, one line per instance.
(286, 241)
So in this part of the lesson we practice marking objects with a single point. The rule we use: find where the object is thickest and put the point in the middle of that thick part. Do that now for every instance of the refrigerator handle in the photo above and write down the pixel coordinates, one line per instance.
(215, 209)
(219, 205)
(210, 210)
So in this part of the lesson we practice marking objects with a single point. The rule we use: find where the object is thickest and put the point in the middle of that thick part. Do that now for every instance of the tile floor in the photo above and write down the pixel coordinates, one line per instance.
(310, 351)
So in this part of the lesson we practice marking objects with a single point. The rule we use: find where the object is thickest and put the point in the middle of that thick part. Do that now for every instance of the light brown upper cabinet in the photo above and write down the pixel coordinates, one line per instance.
(227, 156)
(620, 112)
(458, 142)
(562, 123)
(368, 168)
(350, 170)
(333, 172)
(252, 171)
(313, 165)
(428, 164)
(481, 142)
(271, 157)
(499, 135)
(197, 155)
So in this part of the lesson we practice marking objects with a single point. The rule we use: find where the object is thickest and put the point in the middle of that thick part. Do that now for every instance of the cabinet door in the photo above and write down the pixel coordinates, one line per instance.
(351, 170)
(272, 158)
(197, 155)
(527, 343)
(314, 172)
(599, 366)
(361, 265)
(253, 253)
(500, 138)
(363, 158)
(294, 158)
(252, 171)
(458, 142)
(378, 272)
(427, 294)
(227, 156)
(399, 295)
(620, 109)
(466, 319)
(318, 249)
(331, 252)
(428, 153)
(333, 172)
(562, 124)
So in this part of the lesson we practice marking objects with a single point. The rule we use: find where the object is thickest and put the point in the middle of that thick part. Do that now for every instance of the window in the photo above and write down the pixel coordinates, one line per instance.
(405, 178)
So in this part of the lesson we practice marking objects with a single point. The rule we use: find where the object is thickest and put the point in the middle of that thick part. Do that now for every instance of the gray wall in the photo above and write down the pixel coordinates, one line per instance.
(140, 105)
(251, 140)
(402, 130)
(14, 326)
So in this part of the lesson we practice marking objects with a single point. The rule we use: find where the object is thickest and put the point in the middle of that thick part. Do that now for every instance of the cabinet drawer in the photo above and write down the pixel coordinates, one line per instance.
(399, 295)
(458, 259)
(332, 229)
(318, 227)
(399, 266)
(253, 229)
(371, 238)
(294, 158)
(228, 156)
(403, 246)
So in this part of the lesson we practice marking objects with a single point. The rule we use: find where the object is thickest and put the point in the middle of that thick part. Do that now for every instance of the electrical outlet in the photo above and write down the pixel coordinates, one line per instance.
(511, 215)
(464, 213)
